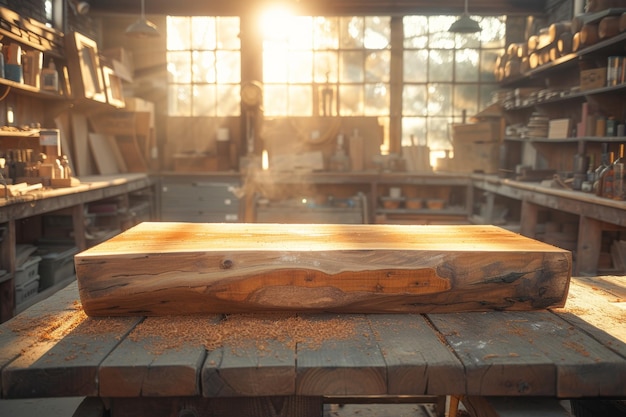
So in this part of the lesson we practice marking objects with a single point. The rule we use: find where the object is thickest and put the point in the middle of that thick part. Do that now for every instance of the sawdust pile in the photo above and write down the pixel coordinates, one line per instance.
(49, 327)
(240, 331)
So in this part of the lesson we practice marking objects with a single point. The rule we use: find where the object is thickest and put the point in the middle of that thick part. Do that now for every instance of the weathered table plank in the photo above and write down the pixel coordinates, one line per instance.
(68, 367)
(180, 268)
(497, 360)
(154, 362)
(417, 360)
(246, 371)
(352, 366)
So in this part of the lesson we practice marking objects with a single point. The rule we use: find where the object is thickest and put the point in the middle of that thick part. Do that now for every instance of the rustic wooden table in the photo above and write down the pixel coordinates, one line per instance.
(168, 366)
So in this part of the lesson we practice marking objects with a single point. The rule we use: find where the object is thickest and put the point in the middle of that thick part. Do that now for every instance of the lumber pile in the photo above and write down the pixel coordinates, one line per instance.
(562, 38)
(183, 268)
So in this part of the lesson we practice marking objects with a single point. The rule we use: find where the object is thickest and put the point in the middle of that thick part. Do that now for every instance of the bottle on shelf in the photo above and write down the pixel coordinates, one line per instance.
(587, 185)
(619, 192)
(600, 169)
(607, 177)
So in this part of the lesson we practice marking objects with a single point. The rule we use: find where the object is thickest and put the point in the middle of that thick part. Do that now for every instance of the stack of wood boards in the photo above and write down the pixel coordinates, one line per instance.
(182, 268)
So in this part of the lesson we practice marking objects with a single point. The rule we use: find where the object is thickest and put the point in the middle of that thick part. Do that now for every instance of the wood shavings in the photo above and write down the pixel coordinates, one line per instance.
(240, 331)
(49, 326)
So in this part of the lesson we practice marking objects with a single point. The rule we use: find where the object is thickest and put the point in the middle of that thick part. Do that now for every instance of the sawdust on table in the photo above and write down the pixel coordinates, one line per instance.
(256, 330)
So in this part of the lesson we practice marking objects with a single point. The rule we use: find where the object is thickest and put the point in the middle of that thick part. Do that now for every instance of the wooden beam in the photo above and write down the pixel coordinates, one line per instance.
(183, 268)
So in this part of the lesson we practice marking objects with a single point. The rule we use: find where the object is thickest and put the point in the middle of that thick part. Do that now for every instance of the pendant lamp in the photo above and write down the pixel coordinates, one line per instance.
(465, 24)
(142, 28)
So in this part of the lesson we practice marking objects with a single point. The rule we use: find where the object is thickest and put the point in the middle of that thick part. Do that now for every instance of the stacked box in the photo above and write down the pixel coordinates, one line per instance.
(57, 264)
(476, 148)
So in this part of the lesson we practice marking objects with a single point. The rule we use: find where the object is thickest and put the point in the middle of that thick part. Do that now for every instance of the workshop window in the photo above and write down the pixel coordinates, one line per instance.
(334, 66)
(203, 66)
(446, 75)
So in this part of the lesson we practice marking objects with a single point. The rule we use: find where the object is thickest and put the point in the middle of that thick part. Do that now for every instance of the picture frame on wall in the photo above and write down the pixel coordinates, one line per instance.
(113, 86)
(85, 69)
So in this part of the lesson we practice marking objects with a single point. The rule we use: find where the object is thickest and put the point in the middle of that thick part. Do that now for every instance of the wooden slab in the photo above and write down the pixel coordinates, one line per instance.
(183, 268)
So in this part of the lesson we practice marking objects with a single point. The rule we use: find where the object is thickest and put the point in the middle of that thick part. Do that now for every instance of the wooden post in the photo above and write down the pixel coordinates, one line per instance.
(528, 219)
(588, 251)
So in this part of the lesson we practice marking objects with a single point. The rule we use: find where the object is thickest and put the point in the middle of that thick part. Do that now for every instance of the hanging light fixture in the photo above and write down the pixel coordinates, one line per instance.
(465, 24)
(142, 28)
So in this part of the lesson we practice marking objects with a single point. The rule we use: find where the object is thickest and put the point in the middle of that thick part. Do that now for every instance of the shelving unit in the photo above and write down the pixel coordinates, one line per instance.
(347, 193)
(60, 217)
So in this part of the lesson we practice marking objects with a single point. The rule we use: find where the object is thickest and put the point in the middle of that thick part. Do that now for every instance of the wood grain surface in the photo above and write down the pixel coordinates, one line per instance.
(183, 268)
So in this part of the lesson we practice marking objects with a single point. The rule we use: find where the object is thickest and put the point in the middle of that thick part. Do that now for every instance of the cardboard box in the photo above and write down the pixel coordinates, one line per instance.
(476, 132)
(592, 78)
(475, 157)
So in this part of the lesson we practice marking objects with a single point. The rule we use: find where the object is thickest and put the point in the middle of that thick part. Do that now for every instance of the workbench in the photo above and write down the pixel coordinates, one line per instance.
(161, 366)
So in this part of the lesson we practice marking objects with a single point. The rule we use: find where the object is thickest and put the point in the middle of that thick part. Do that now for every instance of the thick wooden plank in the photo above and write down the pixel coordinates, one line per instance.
(497, 360)
(157, 359)
(262, 367)
(176, 268)
(418, 362)
(352, 366)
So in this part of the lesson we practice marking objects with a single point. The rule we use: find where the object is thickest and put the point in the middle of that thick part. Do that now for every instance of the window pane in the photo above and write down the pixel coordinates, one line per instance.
(439, 35)
(377, 66)
(350, 100)
(415, 32)
(179, 100)
(228, 33)
(376, 99)
(228, 100)
(300, 66)
(416, 66)
(275, 64)
(439, 134)
(351, 67)
(326, 64)
(466, 98)
(414, 99)
(493, 33)
(466, 65)
(351, 32)
(415, 126)
(440, 65)
(179, 67)
(377, 32)
(178, 33)
(325, 33)
(299, 33)
(203, 33)
(440, 99)
(488, 64)
(275, 100)
(300, 100)
(203, 67)
(228, 67)
(204, 100)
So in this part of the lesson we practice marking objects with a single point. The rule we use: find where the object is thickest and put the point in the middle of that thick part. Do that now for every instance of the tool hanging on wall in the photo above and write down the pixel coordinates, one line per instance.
(327, 98)
(252, 102)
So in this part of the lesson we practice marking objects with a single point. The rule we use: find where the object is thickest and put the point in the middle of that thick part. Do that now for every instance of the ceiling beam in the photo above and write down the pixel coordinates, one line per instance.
(321, 7)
